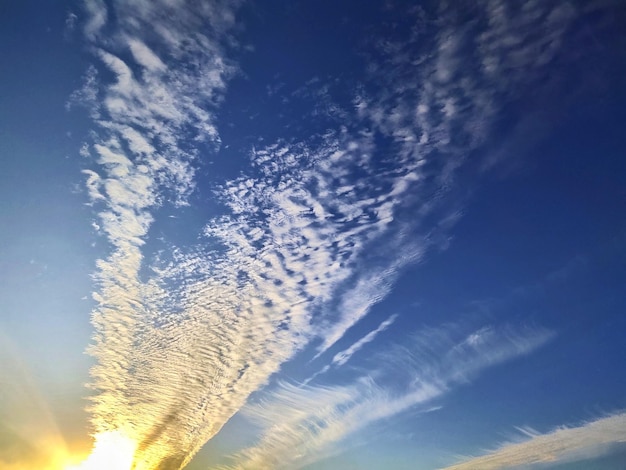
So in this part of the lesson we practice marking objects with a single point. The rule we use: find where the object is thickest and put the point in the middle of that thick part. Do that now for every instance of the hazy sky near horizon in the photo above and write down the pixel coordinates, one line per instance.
(314, 234)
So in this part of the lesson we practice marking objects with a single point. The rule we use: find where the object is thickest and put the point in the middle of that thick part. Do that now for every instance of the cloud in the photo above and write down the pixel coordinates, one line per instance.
(437, 107)
(344, 356)
(305, 424)
(444, 88)
(70, 24)
(368, 290)
(563, 444)
(96, 18)
(29, 434)
(145, 119)
(309, 239)
(145, 56)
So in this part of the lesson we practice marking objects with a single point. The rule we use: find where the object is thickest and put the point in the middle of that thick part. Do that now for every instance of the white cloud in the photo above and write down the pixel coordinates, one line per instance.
(181, 345)
(93, 185)
(564, 444)
(145, 56)
(87, 95)
(97, 17)
(369, 290)
(70, 23)
(144, 122)
(305, 424)
(344, 356)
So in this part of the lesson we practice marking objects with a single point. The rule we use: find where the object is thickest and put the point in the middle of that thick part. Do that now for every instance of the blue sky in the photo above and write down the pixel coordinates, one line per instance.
(316, 235)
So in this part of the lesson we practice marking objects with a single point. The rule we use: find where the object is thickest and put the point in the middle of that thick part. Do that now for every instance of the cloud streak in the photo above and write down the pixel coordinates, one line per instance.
(308, 423)
(563, 444)
(344, 356)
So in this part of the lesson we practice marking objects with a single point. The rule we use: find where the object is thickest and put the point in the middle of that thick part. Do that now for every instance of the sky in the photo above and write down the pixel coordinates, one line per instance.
(243, 235)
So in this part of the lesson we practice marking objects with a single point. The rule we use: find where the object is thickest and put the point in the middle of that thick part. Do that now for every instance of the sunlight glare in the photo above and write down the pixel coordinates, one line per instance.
(112, 450)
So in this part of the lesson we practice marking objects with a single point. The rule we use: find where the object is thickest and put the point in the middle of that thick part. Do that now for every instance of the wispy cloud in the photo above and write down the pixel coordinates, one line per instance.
(444, 87)
(305, 424)
(96, 18)
(564, 444)
(344, 356)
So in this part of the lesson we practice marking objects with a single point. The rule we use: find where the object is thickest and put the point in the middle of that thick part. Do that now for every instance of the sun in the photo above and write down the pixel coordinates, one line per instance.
(111, 450)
